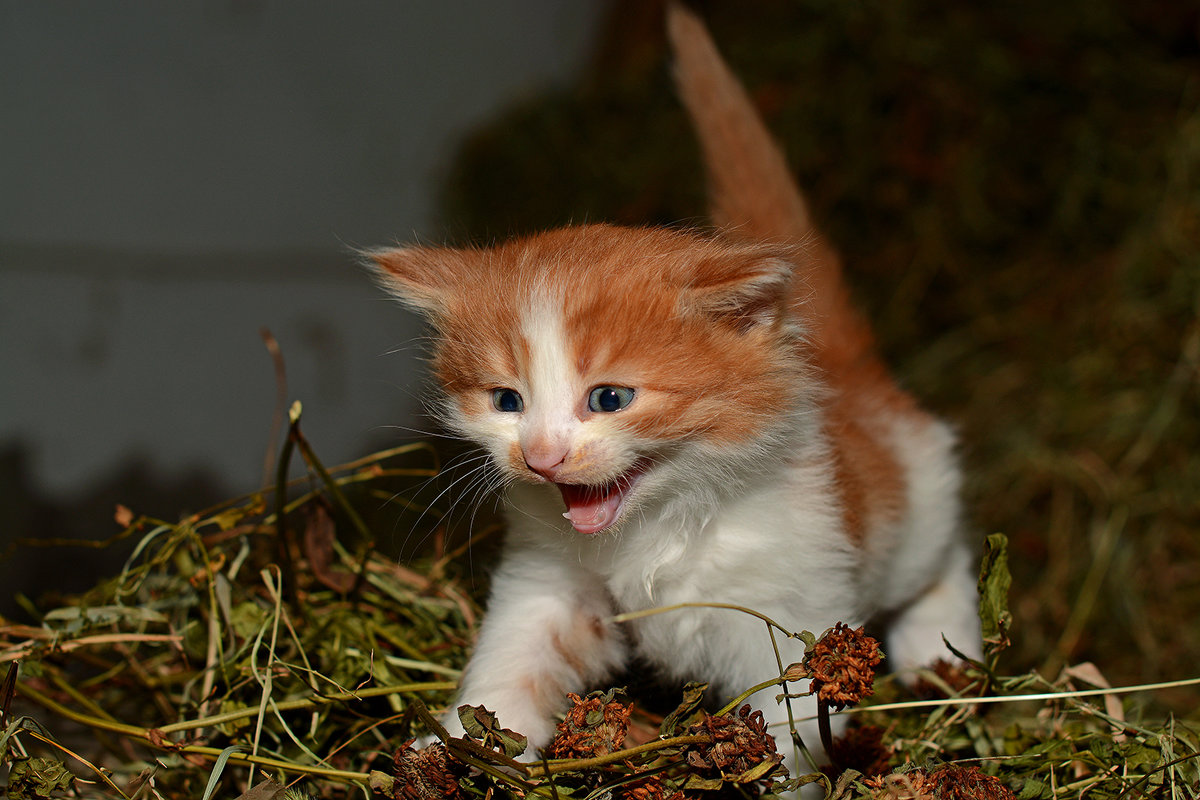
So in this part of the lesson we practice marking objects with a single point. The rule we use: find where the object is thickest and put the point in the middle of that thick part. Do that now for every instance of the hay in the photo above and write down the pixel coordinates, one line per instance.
(196, 672)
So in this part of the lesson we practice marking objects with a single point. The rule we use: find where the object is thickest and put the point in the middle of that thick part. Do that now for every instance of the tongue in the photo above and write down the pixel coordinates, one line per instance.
(591, 509)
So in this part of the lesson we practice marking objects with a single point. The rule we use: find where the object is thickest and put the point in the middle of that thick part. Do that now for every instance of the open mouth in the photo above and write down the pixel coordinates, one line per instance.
(591, 509)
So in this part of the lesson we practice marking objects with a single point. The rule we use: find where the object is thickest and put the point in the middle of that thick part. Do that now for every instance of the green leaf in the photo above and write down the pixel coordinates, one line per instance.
(994, 583)
(696, 783)
(476, 720)
(38, 778)
(481, 724)
(757, 772)
(76, 617)
(1032, 789)
(511, 742)
(693, 695)
(381, 782)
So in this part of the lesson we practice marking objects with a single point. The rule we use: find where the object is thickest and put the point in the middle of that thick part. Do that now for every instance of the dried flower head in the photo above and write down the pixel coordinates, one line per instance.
(740, 745)
(911, 785)
(947, 782)
(594, 726)
(952, 782)
(427, 774)
(653, 787)
(842, 664)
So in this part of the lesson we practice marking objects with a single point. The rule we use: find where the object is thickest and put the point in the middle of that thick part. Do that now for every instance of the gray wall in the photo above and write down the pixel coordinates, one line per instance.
(174, 176)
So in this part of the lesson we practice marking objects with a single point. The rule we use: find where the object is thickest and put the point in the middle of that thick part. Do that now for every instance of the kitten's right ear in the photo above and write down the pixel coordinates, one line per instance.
(420, 277)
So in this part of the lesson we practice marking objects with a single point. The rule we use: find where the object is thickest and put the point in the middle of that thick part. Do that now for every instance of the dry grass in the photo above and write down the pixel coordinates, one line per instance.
(198, 672)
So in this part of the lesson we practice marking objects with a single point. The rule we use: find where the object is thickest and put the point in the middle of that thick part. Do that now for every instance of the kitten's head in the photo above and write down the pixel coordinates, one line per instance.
(614, 363)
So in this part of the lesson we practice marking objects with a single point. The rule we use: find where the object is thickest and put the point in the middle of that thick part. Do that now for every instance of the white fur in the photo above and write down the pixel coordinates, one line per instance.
(926, 577)
(553, 388)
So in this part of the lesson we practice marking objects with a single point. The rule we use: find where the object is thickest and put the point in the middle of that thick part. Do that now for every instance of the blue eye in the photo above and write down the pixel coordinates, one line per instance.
(609, 398)
(507, 400)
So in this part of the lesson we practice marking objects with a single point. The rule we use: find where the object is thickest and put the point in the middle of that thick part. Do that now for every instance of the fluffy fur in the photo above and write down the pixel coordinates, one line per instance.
(760, 454)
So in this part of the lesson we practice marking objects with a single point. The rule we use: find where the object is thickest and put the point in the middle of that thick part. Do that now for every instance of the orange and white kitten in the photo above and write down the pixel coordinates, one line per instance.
(682, 417)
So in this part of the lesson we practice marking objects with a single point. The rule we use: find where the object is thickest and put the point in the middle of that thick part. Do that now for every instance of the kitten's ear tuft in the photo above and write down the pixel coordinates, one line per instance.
(747, 292)
(420, 277)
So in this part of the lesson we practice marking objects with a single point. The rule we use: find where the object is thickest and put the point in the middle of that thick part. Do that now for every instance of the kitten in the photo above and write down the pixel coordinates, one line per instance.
(685, 417)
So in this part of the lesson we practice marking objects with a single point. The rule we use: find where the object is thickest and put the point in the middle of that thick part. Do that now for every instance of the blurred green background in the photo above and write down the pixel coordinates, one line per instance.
(1016, 191)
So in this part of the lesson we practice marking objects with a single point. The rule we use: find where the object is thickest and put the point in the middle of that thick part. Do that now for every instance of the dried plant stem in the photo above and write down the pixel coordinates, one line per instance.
(313, 702)
(630, 616)
(824, 730)
(576, 764)
(746, 695)
(153, 735)
(347, 508)
(271, 578)
(280, 408)
(157, 737)
(797, 740)
(275, 763)
(17, 653)
(282, 536)
(355, 467)
(1018, 698)
(772, 626)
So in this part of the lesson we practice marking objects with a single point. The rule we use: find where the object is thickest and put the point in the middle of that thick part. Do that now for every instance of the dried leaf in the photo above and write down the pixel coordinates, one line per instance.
(319, 536)
(123, 516)
(38, 778)
(994, 583)
(693, 696)
(481, 724)
(267, 790)
(1090, 673)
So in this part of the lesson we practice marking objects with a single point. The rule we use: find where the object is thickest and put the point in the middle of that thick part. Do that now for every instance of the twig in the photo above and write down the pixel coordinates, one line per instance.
(282, 535)
(1017, 698)
(150, 734)
(578, 764)
(280, 408)
(630, 616)
(21, 651)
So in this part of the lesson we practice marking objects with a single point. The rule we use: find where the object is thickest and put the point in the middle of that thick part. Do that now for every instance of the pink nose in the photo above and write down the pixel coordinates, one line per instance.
(545, 461)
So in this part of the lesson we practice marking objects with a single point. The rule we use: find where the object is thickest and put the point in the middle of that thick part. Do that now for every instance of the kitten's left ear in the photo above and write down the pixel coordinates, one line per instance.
(747, 291)
(421, 277)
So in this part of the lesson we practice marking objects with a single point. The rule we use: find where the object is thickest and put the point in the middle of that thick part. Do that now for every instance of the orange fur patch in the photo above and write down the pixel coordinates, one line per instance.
(695, 324)
(638, 307)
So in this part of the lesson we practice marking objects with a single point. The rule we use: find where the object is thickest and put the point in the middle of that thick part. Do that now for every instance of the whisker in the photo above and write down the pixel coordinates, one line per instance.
(481, 467)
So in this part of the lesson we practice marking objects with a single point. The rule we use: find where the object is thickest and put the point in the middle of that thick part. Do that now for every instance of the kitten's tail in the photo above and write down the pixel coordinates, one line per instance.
(752, 192)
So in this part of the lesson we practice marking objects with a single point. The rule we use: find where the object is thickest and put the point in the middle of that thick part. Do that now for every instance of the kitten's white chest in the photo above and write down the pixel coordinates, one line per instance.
(774, 550)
